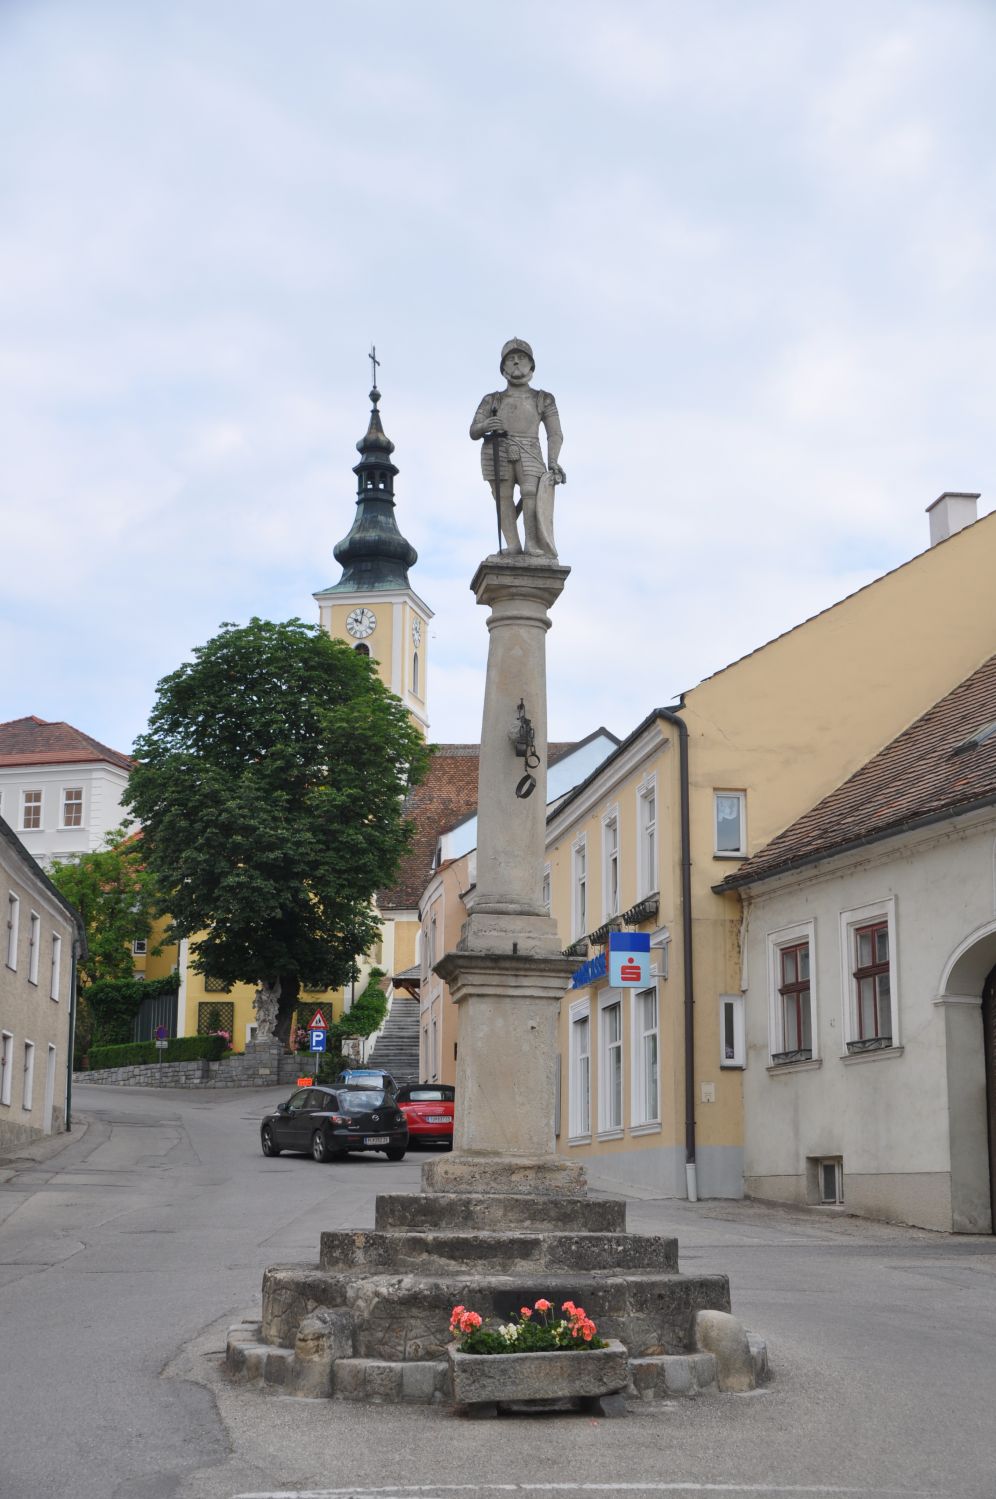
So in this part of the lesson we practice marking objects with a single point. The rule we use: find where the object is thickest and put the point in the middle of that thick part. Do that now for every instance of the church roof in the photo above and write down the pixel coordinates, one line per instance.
(943, 764)
(374, 555)
(33, 741)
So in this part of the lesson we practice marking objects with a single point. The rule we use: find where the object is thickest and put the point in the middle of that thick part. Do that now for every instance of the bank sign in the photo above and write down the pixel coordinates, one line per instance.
(626, 963)
(629, 960)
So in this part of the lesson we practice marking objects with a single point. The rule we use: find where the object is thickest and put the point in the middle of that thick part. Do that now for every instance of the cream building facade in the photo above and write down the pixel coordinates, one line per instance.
(42, 941)
(761, 740)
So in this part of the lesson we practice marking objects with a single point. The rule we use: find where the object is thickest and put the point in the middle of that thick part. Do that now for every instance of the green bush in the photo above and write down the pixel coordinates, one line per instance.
(139, 1053)
(114, 1003)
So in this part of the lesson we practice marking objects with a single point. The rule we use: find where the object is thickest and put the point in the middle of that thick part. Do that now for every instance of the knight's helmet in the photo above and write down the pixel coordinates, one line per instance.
(523, 348)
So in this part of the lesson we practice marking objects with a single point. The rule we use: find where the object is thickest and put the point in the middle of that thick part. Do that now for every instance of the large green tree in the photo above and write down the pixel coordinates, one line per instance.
(269, 785)
(114, 892)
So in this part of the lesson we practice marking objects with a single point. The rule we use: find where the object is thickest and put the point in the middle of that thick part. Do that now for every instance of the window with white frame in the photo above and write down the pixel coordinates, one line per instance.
(610, 863)
(546, 894)
(792, 1008)
(415, 674)
(730, 822)
(579, 1071)
(140, 947)
(646, 824)
(610, 1064)
(646, 1058)
(13, 921)
(31, 811)
(34, 945)
(72, 806)
(55, 974)
(28, 1082)
(732, 1039)
(868, 956)
(6, 1066)
(579, 888)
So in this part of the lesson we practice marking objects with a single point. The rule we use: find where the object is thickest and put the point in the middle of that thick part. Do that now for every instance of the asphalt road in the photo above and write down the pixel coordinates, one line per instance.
(127, 1252)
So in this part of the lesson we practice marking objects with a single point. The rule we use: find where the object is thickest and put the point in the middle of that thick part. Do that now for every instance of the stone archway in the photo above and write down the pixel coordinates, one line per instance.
(968, 996)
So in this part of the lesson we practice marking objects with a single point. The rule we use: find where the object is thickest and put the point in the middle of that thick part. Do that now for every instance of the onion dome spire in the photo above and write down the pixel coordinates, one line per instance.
(374, 554)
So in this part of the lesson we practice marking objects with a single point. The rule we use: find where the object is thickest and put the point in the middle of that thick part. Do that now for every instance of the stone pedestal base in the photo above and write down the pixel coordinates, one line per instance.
(502, 1175)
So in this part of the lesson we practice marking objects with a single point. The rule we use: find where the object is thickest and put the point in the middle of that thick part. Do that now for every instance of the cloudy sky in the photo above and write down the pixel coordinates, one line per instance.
(752, 243)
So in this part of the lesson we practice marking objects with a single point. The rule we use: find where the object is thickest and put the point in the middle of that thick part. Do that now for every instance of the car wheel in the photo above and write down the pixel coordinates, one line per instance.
(396, 1153)
(267, 1142)
(319, 1149)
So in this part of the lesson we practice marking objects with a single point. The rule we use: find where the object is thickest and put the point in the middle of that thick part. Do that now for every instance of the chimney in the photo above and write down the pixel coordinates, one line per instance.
(952, 511)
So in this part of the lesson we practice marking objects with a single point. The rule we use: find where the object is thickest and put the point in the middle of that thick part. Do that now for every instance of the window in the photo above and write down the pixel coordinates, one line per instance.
(733, 1048)
(730, 822)
(793, 990)
(140, 947)
(646, 1059)
(72, 807)
(34, 943)
(432, 944)
(610, 864)
(212, 984)
(53, 987)
(868, 959)
(871, 982)
(579, 1076)
(31, 810)
(610, 1067)
(546, 893)
(28, 1088)
(6, 1065)
(579, 884)
(362, 650)
(216, 1018)
(792, 1023)
(415, 673)
(829, 1185)
(13, 918)
(646, 822)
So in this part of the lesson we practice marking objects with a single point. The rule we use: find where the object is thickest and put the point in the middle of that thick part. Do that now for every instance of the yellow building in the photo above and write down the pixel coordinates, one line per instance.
(692, 792)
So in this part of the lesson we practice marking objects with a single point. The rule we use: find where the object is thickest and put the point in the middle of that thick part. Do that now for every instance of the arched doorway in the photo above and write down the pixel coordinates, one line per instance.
(967, 995)
(989, 1042)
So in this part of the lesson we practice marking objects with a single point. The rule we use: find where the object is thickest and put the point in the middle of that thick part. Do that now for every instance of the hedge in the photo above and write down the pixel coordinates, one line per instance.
(139, 1053)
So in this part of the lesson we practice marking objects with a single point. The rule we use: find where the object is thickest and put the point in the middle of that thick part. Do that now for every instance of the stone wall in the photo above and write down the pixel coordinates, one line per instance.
(257, 1067)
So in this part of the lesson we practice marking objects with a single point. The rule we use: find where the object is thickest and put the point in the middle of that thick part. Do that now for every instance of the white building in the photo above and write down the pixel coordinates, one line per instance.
(60, 790)
(869, 969)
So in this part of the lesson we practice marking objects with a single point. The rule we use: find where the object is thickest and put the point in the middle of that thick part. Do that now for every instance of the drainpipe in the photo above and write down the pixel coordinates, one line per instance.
(691, 1178)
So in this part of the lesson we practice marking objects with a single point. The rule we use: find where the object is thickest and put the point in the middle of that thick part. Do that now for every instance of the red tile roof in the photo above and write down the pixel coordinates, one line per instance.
(447, 796)
(33, 741)
(942, 764)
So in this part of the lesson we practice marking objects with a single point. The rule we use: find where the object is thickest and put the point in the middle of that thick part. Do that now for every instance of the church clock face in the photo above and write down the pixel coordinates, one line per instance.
(417, 631)
(360, 623)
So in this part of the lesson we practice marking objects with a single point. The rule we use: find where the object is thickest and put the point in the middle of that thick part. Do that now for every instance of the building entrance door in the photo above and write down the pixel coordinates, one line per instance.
(989, 1040)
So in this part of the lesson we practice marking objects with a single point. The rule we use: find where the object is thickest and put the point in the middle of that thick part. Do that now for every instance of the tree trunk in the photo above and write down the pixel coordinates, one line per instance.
(289, 991)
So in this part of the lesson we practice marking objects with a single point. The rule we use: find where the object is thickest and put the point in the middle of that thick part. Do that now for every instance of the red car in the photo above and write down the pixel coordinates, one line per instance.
(428, 1109)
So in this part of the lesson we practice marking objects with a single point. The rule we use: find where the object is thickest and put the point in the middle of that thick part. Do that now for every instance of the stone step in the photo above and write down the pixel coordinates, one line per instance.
(533, 1253)
(406, 1316)
(485, 1211)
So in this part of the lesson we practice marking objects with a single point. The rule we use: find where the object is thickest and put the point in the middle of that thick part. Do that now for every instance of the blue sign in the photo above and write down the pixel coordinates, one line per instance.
(317, 1039)
(629, 960)
(589, 972)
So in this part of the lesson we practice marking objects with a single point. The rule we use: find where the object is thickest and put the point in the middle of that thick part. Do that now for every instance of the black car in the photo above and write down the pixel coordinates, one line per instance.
(328, 1123)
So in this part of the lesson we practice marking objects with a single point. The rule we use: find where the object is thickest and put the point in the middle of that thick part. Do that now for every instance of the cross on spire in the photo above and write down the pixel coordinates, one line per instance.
(374, 362)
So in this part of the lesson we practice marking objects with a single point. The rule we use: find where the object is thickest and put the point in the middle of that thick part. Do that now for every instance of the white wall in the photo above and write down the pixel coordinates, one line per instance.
(103, 786)
(895, 1117)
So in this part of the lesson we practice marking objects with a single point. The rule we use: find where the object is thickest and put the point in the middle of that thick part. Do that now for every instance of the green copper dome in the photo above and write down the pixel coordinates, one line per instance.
(374, 554)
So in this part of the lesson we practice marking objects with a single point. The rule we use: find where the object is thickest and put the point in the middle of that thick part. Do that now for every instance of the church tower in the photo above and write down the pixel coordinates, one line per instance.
(373, 607)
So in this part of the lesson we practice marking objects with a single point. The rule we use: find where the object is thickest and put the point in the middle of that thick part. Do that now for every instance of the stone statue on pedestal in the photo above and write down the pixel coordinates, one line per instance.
(509, 421)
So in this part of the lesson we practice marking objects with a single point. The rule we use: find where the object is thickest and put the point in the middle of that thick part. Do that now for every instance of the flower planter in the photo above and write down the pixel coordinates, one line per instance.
(491, 1378)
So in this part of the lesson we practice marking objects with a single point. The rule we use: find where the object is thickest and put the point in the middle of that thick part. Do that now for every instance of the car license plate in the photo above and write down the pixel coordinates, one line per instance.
(376, 1139)
(438, 1119)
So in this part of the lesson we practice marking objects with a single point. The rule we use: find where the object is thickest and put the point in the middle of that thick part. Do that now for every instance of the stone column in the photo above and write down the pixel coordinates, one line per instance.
(507, 974)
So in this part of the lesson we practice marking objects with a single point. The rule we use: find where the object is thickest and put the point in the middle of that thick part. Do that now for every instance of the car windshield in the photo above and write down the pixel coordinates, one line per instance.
(428, 1095)
(363, 1098)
